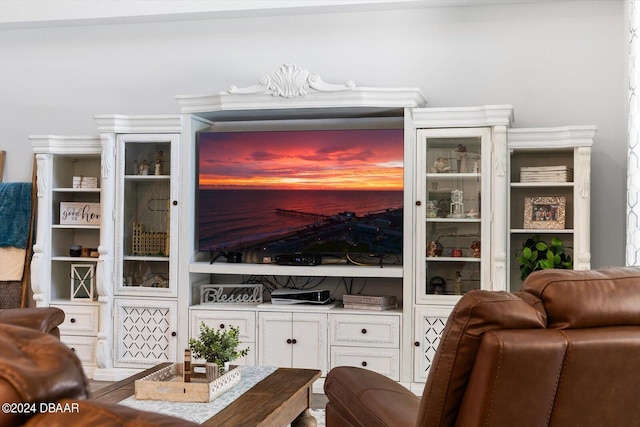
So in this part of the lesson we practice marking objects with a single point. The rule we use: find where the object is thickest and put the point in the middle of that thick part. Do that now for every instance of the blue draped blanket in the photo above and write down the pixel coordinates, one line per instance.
(15, 213)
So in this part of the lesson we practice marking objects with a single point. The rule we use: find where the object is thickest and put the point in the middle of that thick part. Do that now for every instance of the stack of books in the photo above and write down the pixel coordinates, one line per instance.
(546, 174)
(85, 182)
(369, 302)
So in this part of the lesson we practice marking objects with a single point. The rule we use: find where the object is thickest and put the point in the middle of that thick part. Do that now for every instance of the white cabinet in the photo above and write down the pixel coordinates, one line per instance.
(464, 219)
(70, 238)
(453, 222)
(429, 322)
(60, 159)
(293, 339)
(220, 318)
(549, 192)
(145, 219)
(370, 341)
(141, 308)
(79, 332)
(145, 333)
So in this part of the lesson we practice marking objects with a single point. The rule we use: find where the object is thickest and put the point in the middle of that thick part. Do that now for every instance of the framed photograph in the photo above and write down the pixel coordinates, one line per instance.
(544, 213)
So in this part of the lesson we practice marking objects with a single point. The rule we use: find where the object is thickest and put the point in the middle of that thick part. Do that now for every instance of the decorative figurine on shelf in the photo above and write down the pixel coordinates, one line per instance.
(475, 249)
(472, 213)
(432, 210)
(457, 287)
(441, 165)
(159, 163)
(461, 157)
(456, 209)
(136, 167)
(434, 248)
(437, 285)
(144, 168)
(431, 248)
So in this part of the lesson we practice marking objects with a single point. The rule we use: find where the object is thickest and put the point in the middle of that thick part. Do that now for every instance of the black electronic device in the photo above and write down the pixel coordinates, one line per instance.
(298, 259)
(300, 296)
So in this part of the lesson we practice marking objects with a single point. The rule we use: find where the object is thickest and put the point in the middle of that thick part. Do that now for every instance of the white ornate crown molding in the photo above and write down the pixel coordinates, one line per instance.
(58, 144)
(292, 86)
(485, 115)
(138, 124)
(577, 136)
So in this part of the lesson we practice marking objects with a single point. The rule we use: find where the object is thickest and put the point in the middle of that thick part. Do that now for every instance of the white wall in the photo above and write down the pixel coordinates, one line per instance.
(558, 63)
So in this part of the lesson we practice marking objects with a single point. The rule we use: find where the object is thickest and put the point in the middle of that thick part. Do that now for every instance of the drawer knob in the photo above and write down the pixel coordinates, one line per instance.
(221, 325)
(73, 349)
(364, 331)
(174, 333)
(72, 320)
(417, 343)
(364, 364)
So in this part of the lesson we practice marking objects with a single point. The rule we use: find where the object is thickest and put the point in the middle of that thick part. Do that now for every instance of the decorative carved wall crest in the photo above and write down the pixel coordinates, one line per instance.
(290, 81)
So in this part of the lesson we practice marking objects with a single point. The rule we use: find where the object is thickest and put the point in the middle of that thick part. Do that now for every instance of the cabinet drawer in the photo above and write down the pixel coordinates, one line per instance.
(244, 320)
(83, 347)
(385, 361)
(79, 320)
(365, 330)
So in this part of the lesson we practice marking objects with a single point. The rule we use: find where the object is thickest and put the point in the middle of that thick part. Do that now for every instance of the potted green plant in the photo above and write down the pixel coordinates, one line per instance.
(217, 347)
(536, 255)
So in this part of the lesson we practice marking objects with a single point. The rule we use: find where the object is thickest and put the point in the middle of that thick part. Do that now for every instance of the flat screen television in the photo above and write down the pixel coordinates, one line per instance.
(325, 192)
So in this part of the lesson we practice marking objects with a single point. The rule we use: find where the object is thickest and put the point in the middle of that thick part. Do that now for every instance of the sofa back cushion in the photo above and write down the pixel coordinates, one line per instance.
(585, 377)
(589, 298)
(476, 313)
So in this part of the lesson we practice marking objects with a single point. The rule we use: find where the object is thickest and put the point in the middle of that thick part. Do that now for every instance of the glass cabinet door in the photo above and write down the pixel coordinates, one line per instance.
(453, 211)
(145, 222)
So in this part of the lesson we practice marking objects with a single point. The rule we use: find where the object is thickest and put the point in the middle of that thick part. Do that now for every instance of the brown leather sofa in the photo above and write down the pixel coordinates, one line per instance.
(43, 384)
(565, 351)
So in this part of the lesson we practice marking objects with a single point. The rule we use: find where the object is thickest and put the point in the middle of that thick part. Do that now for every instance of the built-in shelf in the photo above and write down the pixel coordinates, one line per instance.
(75, 190)
(541, 184)
(452, 259)
(77, 227)
(391, 271)
(540, 231)
(74, 259)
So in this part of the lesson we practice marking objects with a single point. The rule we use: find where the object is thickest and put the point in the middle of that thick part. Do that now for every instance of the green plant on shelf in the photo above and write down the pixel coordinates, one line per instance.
(536, 254)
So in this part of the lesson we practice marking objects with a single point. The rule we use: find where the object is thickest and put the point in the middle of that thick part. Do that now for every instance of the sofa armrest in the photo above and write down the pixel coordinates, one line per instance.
(43, 319)
(365, 398)
(91, 413)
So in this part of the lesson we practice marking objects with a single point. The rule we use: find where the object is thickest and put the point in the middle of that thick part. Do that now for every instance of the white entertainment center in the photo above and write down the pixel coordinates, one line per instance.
(450, 246)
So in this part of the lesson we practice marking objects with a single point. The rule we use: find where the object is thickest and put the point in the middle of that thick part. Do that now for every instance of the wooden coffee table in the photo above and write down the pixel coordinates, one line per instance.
(281, 398)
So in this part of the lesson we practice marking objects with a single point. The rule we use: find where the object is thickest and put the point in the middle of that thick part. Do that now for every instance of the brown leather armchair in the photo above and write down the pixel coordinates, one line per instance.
(37, 370)
(43, 319)
(565, 351)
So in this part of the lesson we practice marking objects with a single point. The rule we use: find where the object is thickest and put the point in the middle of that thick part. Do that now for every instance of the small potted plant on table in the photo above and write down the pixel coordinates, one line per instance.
(217, 348)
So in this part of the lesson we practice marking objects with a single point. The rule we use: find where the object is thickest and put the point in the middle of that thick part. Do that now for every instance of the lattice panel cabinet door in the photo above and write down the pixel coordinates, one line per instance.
(429, 325)
(146, 332)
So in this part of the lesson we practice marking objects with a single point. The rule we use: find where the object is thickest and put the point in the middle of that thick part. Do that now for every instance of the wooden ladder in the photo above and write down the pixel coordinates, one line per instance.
(2, 155)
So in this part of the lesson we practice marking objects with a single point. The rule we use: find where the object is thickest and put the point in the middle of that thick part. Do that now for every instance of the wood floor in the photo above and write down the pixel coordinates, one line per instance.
(318, 401)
